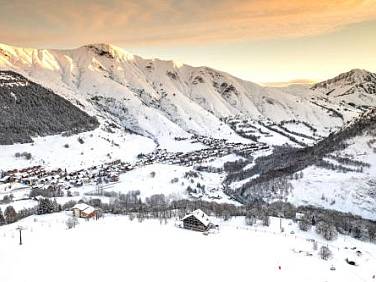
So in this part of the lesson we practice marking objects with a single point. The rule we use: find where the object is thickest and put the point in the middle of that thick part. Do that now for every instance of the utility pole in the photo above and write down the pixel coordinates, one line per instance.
(20, 228)
(280, 215)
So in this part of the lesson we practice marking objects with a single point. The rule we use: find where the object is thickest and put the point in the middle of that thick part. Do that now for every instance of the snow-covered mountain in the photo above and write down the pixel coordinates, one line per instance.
(152, 111)
(163, 99)
(348, 83)
(355, 89)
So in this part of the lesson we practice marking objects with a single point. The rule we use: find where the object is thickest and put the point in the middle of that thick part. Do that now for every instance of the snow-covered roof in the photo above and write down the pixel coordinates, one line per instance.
(5, 178)
(84, 207)
(89, 210)
(200, 215)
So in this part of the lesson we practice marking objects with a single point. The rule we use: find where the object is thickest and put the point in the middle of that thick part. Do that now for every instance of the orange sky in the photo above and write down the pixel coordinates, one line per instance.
(259, 40)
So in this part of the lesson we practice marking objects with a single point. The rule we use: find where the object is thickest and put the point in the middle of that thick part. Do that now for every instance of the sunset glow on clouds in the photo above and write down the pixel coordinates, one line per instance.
(172, 25)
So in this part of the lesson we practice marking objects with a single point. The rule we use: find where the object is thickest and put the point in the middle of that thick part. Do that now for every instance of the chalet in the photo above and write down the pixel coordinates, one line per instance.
(114, 177)
(197, 221)
(84, 211)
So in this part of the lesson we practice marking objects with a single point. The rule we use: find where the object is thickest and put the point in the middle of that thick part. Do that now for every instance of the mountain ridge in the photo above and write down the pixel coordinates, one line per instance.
(180, 97)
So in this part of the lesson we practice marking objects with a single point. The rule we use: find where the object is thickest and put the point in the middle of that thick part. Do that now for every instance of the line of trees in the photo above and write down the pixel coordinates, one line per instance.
(328, 222)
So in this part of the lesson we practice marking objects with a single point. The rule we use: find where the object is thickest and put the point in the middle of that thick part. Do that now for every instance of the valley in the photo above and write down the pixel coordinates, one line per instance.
(196, 133)
(187, 141)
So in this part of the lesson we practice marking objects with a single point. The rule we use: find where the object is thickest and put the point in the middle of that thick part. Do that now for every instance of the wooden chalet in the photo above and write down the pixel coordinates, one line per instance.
(83, 210)
(197, 221)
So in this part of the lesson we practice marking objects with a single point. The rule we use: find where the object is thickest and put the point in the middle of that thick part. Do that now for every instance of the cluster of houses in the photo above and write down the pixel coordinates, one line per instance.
(38, 177)
(215, 148)
(54, 182)
(25, 175)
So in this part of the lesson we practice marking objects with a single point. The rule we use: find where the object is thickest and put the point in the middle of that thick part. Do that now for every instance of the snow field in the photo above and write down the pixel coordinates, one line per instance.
(114, 248)
(98, 147)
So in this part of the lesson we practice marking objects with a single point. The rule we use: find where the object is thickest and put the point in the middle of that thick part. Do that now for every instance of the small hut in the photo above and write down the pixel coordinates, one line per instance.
(197, 221)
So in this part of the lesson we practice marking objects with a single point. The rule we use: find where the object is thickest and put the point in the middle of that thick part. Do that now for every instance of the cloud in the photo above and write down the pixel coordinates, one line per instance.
(290, 82)
(137, 22)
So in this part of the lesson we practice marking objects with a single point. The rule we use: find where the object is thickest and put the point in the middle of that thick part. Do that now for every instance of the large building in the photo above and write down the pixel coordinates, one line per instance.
(197, 220)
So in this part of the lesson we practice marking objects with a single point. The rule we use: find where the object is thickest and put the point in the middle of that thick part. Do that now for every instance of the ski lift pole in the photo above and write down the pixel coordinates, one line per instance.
(20, 228)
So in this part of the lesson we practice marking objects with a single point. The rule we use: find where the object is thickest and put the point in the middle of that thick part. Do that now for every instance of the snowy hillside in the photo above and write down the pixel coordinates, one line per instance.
(345, 180)
(163, 99)
(29, 110)
(337, 172)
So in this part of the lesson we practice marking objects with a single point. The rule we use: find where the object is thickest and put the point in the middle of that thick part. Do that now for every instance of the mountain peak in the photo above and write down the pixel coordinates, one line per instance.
(108, 50)
(359, 74)
(351, 78)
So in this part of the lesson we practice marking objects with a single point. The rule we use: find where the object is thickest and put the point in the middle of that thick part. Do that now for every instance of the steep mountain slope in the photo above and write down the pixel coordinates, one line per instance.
(353, 90)
(29, 110)
(161, 99)
(120, 84)
(337, 172)
(348, 83)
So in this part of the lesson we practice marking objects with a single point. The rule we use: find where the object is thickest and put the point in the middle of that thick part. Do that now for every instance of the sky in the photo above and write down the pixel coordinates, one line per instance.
(257, 40)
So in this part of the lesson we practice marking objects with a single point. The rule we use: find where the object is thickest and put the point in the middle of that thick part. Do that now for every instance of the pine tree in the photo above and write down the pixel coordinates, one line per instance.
(305, 223)
(2, 219)
(10, 214)
(45, 206)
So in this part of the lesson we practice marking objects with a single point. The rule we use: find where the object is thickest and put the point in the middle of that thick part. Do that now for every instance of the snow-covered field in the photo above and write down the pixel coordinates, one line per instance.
(346, 192)
(117, 249)
(67, 152)
(170, 180)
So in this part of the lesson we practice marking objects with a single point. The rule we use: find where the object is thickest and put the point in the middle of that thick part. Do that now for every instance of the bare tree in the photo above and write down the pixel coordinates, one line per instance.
(325, 253)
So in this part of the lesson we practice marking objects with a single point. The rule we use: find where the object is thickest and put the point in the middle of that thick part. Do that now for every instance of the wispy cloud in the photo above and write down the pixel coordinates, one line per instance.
(290, 82)
(135, 22)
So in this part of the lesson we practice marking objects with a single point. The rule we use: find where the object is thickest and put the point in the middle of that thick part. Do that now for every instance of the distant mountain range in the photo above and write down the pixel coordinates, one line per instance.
(162, 99)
